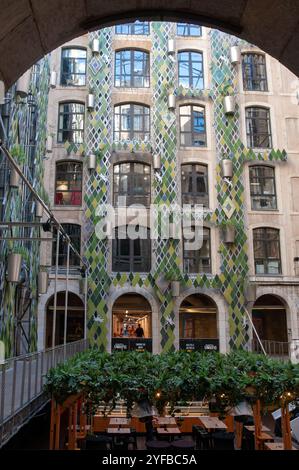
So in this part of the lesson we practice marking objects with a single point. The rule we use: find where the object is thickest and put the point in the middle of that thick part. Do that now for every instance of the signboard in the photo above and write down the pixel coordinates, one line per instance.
(199, 344)
(132, 344)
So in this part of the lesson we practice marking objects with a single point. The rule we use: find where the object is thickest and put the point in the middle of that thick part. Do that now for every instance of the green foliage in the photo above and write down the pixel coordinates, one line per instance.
(174, 378)
(18, 152)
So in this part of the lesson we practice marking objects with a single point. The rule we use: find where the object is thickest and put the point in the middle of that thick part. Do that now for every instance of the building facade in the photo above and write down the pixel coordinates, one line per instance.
(169, 114)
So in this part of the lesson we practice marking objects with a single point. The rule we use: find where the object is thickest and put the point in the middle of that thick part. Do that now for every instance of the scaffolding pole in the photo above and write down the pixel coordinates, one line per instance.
(66, 297)
(55, 292)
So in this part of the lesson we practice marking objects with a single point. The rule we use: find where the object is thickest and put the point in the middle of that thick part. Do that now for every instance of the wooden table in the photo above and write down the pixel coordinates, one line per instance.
(212, 422)
(168, 431)
(164, 421)
(119, 422)
(275, 446)
(252, 428)
(118, 431)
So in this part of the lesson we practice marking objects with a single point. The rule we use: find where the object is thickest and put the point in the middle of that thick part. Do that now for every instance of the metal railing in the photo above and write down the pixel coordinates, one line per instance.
(273, 348)
(21, 384)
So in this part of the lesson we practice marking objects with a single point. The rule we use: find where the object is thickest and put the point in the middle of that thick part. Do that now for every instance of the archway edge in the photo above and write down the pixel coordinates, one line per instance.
(32, 28)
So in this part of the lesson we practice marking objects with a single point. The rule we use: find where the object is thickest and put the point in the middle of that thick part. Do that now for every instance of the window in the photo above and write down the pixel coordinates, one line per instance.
(185, 29)
(73, 67)
(266, 251)
(132, 182)
(74, 232)
(198, 261)
(193, 126)
(191, 69)
(132, 68)
(68, 189)
(258, 127)
(71, 123)
(131, 255)
(135, 29)
(195, 184)
(254, 72)
(262, 188)
(131, 121)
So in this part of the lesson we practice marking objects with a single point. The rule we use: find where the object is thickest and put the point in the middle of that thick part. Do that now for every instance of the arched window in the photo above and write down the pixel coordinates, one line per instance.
(197, 260)
(191, 73)
(258, 127)
(193, 126)
(131, 183)
(134, 29)
(254, 72)
(186, 29)
(131, 122)
(71, 122)
(195, 184)
(132, 68)
(131, 254)
(262, 188)
(74, 232)
(68, 186)
(266, 245)
(73, 66)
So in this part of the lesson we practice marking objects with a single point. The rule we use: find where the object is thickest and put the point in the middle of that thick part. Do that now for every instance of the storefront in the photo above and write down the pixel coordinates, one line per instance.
(198, 324)
(131, 323)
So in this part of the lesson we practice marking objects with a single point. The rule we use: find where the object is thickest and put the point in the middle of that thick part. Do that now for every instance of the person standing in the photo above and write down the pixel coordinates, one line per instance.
(139, 331)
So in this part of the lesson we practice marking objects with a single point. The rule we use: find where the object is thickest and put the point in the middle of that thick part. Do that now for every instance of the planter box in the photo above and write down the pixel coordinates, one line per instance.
(95, 46)
(229, 234)
(171, 47)
(14, 261)
(235, 55)
(38, 210)
(43, 282)
(53, 79)
(227, 168)
(49, 145)
(171, 101)
(23, 84)
(90, 101)
(92, 161)
(82, 286)
(175, 288)
(156, 161)
(229, 104)
(14, 180)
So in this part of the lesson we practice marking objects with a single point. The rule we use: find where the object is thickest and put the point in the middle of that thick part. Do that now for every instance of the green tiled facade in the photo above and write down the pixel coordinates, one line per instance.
(231, 279)
(16, 201)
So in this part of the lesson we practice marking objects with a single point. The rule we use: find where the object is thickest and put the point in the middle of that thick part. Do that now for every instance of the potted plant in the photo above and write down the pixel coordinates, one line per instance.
(174, 276)
(227, 168)
(43, 280)
(90, 101)
(14, 263)
(228, 98)
(229, 231)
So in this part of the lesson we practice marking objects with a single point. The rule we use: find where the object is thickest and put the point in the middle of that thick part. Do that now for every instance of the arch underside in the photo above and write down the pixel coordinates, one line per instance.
(31, 29)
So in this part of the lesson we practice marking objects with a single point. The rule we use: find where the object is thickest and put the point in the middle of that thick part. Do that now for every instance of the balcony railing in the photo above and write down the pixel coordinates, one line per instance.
(21, 384)
(272, 348)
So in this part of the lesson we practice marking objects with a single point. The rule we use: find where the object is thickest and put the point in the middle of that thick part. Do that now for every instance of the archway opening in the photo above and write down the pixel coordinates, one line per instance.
(198, 323)
(270, 321)
(75, 319)
(132, 323)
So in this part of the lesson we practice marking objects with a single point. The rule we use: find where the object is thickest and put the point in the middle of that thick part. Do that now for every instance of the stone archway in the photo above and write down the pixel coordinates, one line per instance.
(30, 29)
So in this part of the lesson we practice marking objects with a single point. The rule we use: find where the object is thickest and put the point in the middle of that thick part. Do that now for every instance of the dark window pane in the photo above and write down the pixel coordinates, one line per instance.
(190, 66)
(71, 122)
(132, 68)
(195, 185)
(258, 127)
(131, 122)
(185, 29)
(73, 67)
(68, 189)
(74, 232)
(254, 72)
(137, 28)
(262, 188)
(132, 182)
(266, 245)
(193, 126)
(131, 255)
